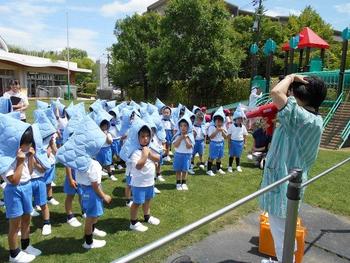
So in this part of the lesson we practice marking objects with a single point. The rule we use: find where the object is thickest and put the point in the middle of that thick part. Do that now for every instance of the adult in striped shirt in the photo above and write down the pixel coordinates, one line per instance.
(295, 144)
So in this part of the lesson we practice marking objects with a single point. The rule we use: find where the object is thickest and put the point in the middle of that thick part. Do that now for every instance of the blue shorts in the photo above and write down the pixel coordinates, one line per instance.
(182, 162)
(91, 203)
(216, 150)
(39, 191)
(59, 140)
(116, 146)
(50, 175)
(169, 136)
(68, 189)
(18, 199)
(142, 194)
(198, 147)
(104, 156)
(128, 180)
(236, 148)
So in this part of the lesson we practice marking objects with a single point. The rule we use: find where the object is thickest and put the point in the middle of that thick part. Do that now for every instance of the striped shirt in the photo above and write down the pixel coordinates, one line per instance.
(295, 144)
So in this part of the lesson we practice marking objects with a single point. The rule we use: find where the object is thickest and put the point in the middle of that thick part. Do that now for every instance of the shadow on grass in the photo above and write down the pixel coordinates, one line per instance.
(4, 254)
(166, 186)
(61, 246)
(56, 219)
(113, 225)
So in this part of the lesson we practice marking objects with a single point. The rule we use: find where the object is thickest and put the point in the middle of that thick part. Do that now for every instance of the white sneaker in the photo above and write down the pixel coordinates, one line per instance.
(184, 187)
(2, 203)
(22, 257)
(84, 215)
(112, 168)
(229, 169)
(95, 244)
(34, 213)
(120, 167)
(210, 173)
(32, 251)
(138, 227)
(53, 201)
(153, 221)
(239, 169)
(46, 230)
(191, 172)
(268, 261)
(19, 233)
(201, 166)
(221, 172)
(3, 185)
(156, 190)
(38, 208)
(168, 159)
(99, 233)
(103, 173)
(53, 184)
(74, 222)
(179, 187)
(160, 178)
(171, 153)
(113, 178)
(250, 157)
(128, 204)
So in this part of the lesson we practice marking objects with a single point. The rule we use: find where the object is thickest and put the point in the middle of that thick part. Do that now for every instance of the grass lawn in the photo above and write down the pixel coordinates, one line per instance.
(175, 210)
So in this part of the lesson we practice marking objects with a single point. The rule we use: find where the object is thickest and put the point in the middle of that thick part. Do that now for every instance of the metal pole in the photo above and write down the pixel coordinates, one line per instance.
(342, 67)
(268, 71)
(291, 61)
(293, 195)
(301, 52)
(182, 231)
(68, 58)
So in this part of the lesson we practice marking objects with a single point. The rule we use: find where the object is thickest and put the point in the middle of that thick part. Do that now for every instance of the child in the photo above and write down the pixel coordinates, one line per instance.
(19, 100)
(104, 156)
(40, 163)
(183, 143)
(217, 134)
(238, 134)
(169, 129)
(76, 153)
(199, 133)
(142, 160)
(15, 171)
(114, 131)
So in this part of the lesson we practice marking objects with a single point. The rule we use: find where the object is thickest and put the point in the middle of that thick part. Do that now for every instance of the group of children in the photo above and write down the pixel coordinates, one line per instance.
(139, 137)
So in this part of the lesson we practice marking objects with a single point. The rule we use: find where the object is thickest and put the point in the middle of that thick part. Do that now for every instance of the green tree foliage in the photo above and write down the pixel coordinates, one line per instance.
(198, 46)
(137, 36)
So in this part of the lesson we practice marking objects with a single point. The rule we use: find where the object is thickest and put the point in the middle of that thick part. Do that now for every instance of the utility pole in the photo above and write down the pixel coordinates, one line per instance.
(68, 58)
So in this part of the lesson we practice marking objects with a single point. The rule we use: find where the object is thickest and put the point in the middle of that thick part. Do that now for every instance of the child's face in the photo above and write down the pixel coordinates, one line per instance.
(15, 88)
(183, 127)
(193, 118)
(104, 127)
(239, 120)
(218, 122)
(199, 121)
(166, 112)
(144, 138)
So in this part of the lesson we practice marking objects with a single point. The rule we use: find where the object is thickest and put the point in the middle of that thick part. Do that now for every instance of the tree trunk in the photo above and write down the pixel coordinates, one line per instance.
(145, 88)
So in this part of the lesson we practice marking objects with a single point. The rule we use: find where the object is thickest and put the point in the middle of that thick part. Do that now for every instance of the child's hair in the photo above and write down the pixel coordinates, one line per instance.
(313, 93)
(13, 82)
(183, 121)
(217, 117)
(104, 122)
(200, 115)
(91, 109)
(27, 137)
(113, 114)
(144, 129)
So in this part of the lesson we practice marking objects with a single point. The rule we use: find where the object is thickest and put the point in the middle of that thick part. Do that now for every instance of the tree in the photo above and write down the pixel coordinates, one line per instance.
(198, 47)
(136, 36)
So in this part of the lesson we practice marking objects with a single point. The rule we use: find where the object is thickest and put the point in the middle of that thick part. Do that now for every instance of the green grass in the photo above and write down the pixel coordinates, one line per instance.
(175, 210)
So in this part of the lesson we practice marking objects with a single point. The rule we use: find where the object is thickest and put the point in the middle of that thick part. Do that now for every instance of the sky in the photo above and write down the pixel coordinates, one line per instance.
(41, 24)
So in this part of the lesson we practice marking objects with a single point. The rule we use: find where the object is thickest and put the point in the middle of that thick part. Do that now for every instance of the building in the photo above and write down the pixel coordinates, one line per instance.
(34, 72)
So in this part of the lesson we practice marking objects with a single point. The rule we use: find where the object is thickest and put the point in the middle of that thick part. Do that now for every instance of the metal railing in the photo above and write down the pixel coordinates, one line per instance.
(294, 186)
(345, 134)
(333, 110)
(263, 99)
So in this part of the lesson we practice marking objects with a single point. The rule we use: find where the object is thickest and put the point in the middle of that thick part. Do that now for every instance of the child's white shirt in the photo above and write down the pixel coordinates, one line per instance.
(237, 133)
(182, 147)
(92, 175)
(200, 132)
(168, 124)
(36, 174)
(114, 132)
(25, 177)
(218, 137)
(108, 137)
(24, 100)
(145, 176)
(62, 123)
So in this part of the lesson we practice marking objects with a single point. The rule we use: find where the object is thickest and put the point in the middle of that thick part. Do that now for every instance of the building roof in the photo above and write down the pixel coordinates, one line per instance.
(38, 62)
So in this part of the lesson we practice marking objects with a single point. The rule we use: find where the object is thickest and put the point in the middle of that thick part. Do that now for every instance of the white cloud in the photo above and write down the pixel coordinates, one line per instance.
(343, 8)
(82, 8)
(282, 11)
(119, 8)
(4, 9)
